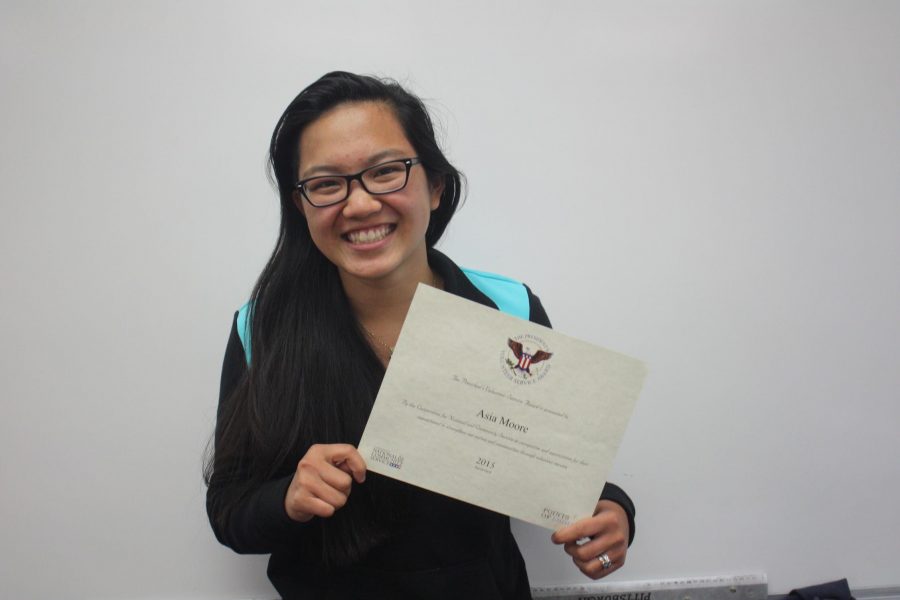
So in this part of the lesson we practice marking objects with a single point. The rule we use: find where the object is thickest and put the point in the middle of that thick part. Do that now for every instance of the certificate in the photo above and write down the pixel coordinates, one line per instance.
(500, 412)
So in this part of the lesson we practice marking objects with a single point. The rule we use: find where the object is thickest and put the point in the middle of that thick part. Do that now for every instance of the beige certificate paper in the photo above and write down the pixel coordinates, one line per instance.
(499, 412)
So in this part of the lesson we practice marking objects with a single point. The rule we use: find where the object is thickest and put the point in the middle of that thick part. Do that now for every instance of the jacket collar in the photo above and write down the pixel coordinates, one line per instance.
(455, 281)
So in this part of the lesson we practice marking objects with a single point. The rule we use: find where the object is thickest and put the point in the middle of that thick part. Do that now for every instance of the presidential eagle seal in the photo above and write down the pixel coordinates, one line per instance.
(524, 360)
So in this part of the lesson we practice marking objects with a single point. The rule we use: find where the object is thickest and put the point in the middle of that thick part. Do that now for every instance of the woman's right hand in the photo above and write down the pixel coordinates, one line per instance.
(323, 480)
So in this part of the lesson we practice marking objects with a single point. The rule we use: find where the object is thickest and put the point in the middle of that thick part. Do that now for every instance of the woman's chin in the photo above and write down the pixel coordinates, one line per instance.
(385, 268)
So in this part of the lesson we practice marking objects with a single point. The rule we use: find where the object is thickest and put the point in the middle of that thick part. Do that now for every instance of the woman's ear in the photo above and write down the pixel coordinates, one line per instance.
(437, 190)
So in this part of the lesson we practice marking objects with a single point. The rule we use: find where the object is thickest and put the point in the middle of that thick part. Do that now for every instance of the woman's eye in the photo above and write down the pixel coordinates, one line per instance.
(324, 185)
(387, 170)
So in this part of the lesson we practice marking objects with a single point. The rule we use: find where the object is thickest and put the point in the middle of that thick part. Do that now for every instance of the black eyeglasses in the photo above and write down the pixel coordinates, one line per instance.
(383, 178)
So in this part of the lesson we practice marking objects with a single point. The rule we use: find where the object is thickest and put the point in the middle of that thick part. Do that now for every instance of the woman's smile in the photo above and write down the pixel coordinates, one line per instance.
(369, 235)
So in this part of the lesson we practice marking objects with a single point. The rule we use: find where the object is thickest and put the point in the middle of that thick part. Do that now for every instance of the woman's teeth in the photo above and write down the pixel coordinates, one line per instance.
(367, 236)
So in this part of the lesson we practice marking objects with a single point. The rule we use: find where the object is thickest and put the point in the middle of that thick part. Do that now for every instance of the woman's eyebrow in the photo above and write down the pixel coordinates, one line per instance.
(374, 159)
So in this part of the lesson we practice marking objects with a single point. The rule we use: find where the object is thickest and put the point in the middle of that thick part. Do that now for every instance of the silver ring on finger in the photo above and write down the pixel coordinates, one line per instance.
(604, 558)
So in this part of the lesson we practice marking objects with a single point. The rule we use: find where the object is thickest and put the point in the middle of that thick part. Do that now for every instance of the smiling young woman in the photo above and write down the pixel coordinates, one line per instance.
(373, 239)
(365, 194)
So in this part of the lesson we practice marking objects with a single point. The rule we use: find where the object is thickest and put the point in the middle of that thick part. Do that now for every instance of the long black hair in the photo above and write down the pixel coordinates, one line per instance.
(313, 376)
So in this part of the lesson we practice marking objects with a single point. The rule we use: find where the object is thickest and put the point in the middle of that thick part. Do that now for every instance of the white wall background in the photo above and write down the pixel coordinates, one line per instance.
(710, 186)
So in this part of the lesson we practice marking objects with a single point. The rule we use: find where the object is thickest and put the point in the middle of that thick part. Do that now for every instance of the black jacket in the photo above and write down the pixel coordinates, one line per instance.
(443, 549)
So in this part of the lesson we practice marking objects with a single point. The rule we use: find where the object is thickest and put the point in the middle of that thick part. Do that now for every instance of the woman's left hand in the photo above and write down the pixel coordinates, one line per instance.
(606, 534)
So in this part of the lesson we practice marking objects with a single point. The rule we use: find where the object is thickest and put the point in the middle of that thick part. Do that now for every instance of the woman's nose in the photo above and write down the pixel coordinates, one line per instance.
(360, 202)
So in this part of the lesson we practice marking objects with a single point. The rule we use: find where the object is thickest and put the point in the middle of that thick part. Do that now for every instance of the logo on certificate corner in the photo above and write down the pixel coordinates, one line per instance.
(390, 459)
(525, 359)
(555, 515)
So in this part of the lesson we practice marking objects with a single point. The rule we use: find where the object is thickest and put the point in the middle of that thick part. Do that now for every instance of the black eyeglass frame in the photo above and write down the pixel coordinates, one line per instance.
(408, 162)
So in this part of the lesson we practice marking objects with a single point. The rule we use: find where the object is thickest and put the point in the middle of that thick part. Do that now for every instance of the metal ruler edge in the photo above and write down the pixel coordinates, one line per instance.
(731, 587)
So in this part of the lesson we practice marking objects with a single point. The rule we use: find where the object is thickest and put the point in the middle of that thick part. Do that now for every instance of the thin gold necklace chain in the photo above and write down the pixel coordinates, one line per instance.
(381, 342)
